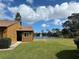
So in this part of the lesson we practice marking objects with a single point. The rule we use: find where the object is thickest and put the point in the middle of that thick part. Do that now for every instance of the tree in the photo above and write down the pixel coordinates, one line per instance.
(49, 34)
(56, 32)
(18, 18)
(72, 25)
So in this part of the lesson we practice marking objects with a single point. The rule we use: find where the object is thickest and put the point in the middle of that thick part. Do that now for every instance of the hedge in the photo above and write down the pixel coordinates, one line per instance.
(5, 43)
(76, 41)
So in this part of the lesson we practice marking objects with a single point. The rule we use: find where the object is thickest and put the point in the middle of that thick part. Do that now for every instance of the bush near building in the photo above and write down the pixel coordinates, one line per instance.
(5, 43)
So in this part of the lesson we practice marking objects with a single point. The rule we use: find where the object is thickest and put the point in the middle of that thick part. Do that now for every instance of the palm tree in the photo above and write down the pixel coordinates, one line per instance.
(18, 18)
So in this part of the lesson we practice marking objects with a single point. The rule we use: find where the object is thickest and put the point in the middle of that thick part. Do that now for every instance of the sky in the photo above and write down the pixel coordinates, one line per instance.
(40, 14)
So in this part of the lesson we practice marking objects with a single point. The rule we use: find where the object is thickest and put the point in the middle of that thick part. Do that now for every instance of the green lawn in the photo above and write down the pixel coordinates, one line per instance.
(43, 49)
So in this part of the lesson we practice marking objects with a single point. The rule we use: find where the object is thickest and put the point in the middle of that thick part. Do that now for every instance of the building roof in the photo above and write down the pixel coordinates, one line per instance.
(6, 23)
(28, 28)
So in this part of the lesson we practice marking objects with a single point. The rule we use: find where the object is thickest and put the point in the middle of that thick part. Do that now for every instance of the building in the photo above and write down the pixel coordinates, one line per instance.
(13, 30)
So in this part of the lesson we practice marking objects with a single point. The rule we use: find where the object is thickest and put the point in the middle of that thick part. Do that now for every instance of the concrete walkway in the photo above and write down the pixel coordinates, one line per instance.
(13, 46)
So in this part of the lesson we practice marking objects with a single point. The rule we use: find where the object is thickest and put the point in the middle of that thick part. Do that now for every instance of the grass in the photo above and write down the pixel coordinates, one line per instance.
(43, 49)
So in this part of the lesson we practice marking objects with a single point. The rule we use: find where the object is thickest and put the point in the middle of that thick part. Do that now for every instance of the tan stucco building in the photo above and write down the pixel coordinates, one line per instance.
(13, 30)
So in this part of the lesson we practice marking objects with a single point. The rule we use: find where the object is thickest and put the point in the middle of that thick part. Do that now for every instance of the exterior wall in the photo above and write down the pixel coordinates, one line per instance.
(28, 38)
(31, 37)
(12, 32)
(3, 32)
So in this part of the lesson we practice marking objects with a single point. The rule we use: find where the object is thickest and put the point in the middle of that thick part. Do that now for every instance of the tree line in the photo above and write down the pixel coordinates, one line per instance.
(70, 28)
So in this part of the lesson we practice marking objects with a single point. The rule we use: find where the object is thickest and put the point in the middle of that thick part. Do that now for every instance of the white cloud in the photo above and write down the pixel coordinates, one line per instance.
(61, 11)
(58, 22)
(46, 12)
(28, 13)
(2, 9)
(2, 6)
(30, 1)
(65, 9)
(14, 10)
(44, 26)
(43, 12)
(7, 2)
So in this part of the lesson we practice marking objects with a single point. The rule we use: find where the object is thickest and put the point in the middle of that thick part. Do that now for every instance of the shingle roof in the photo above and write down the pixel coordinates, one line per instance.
(28, 28)
(6, 23)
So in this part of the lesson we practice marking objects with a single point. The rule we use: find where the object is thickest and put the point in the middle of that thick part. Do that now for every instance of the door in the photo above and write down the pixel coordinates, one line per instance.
(19, 36)
(26, 36)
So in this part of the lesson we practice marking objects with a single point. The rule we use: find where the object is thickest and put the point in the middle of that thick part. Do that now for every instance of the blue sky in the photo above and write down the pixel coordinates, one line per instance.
(41, 14)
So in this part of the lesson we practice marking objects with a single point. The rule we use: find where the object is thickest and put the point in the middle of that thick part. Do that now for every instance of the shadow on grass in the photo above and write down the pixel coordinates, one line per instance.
(68, 54)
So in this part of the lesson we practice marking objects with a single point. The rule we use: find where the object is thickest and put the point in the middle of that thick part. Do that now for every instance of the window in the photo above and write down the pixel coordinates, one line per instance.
(27, 34)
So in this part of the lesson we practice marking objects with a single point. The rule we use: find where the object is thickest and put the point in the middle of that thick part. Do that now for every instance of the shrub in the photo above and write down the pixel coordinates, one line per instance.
(76, 41)
(5, 43)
